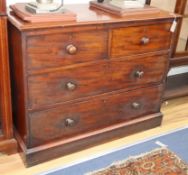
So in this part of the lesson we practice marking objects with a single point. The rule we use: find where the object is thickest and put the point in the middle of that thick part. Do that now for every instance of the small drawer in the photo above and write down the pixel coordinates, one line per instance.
(55, 50)
(140, 39)
(71, 120)
(94, 79)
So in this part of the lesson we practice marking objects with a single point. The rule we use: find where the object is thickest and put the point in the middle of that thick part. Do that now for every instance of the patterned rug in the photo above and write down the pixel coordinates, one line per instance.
(158, 162)
(175, 140)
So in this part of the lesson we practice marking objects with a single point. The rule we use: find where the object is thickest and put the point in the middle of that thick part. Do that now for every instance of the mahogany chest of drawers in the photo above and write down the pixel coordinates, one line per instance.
(78, 84)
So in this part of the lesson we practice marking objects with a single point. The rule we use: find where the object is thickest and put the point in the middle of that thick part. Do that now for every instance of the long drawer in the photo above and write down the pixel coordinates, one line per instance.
(55, 50)
(140, 39)
(73, 119)
(83, 81)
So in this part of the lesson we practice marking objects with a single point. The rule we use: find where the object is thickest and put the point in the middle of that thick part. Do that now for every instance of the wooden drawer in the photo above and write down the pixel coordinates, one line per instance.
(46, 51)
(140, 39)
(70, 120)
(94, 79)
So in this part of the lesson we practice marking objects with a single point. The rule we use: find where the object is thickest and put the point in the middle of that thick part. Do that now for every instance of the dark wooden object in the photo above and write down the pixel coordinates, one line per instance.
(148, 1)
(174, 87)
(178, 58)
(7, 143)
(2, 7)
(78, 84)
(179, 9)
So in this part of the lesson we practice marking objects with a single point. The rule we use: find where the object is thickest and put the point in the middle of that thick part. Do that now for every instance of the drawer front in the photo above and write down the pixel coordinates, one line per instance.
(71, 120)
(55, 50)
(142, 39)
(84, 81)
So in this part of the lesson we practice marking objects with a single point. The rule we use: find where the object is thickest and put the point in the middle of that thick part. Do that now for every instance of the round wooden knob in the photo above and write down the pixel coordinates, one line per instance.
(136, 105)
(69, 122)
(145, 40)
(71, 86)
(71, 49)
(139, 74)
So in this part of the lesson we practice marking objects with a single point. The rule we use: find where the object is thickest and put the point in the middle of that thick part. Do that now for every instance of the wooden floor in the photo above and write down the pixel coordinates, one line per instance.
(175, 116)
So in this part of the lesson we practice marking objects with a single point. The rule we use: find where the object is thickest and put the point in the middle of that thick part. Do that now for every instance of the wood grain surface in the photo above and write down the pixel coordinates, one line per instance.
(86, 16)
(91, 115)
(51, 88)
(129, 41)
(7, 143)
(48, 51)
(70, 77)
(2, 7)
(175, 116)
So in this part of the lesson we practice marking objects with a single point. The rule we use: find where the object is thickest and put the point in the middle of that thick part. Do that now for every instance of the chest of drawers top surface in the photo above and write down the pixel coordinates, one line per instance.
(87, 16)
